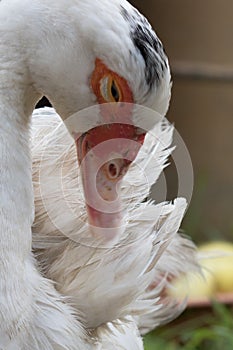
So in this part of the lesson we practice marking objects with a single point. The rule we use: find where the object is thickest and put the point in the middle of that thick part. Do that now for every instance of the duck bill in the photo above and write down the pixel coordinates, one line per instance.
(104, 155)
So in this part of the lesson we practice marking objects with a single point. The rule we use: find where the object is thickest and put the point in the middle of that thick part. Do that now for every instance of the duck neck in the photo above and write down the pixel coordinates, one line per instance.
(16, 205)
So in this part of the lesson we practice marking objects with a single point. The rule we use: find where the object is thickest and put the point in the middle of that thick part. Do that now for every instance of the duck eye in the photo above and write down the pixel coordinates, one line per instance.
(115, 92)
(110, 89)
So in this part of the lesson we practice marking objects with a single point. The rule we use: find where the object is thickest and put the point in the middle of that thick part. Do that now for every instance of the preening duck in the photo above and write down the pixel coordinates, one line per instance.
(107, 284)
(78, 54)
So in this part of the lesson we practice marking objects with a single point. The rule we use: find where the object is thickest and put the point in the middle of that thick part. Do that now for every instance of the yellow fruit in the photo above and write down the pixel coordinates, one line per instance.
(193, 286)
(217, 257)
(216, 260)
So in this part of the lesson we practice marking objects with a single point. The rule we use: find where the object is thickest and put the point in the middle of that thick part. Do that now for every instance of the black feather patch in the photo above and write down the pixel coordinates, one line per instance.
(148, 44)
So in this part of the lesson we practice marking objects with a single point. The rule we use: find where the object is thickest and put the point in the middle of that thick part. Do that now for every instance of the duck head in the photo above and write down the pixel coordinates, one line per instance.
(105, 55)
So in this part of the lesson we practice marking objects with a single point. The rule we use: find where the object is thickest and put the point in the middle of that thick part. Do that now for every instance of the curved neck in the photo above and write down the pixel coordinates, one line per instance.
(16, 195)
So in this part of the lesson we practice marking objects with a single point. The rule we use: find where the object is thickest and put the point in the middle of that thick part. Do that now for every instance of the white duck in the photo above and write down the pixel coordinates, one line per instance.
(108, 283)
(77, 53)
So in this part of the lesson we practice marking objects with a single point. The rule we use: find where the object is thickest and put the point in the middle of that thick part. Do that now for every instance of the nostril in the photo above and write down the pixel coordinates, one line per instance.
(113, 170)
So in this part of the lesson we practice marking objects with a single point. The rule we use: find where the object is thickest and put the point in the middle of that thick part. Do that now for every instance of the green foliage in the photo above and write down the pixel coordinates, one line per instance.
(211, 330)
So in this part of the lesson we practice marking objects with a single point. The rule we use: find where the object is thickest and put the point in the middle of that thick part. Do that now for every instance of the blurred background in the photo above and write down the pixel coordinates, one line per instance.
(197, 36)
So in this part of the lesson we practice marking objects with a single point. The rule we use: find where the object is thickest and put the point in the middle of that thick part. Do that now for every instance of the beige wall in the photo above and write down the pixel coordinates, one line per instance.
(201, 31)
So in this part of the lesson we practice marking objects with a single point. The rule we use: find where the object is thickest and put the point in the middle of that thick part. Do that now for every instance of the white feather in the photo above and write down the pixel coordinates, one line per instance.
(107, 283)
